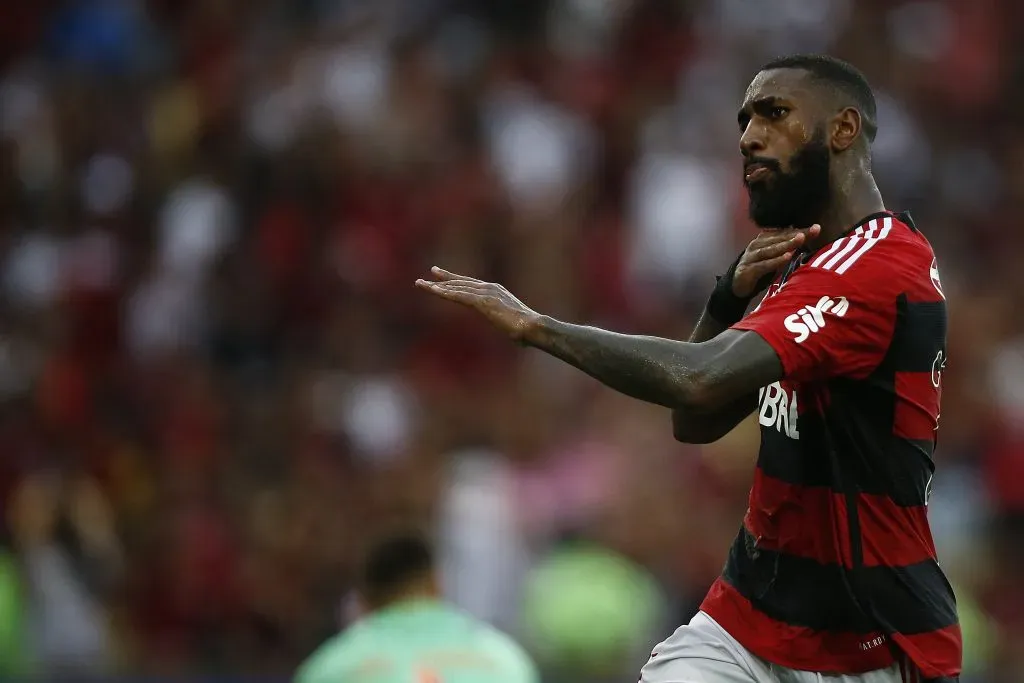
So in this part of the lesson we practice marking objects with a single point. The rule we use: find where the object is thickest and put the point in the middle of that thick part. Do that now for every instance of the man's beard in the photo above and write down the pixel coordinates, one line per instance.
(796, 198)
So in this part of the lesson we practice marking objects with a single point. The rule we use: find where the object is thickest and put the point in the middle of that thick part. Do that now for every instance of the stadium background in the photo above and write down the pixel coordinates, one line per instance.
(217, 380)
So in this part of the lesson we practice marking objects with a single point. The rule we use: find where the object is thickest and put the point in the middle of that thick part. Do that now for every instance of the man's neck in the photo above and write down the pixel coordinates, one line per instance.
(418, 592)
(858, 199)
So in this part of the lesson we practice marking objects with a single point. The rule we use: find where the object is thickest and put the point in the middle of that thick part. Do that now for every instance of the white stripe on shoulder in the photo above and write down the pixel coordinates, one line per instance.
(850, 244)
(842, 257)
(869, 242)
(835, 246)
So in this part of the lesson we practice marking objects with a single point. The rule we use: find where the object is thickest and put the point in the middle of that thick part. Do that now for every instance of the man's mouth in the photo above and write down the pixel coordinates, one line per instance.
(755, 172)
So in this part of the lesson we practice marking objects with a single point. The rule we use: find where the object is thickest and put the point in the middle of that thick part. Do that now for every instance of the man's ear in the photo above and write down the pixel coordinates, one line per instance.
(846, 128)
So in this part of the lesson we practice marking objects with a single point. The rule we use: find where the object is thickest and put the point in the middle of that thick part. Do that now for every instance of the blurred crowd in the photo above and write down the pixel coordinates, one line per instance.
(218, 381)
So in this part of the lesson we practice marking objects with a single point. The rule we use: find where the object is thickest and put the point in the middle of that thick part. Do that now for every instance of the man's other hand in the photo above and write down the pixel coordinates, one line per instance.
(769, 252)
(496, 303)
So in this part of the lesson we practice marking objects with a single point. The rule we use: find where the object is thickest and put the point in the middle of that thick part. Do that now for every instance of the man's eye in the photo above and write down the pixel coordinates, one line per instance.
(777, 112)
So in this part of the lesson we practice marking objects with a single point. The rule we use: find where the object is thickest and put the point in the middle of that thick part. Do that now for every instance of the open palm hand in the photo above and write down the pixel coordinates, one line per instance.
(493, 301)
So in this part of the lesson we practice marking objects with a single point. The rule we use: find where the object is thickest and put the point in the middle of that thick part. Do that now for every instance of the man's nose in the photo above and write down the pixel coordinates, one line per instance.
(752, 140)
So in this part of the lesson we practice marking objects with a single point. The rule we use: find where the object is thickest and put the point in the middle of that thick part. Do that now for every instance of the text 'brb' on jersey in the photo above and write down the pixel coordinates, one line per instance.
(835, 567)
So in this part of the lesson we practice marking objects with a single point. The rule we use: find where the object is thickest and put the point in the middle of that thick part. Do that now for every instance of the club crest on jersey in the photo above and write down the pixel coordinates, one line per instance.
(810, 319)
(778, 408)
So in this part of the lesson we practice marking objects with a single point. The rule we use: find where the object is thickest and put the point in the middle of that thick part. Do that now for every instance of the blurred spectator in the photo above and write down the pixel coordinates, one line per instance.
(64, 533)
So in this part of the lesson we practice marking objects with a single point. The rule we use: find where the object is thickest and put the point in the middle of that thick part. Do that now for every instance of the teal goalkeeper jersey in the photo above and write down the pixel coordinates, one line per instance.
(419, 642)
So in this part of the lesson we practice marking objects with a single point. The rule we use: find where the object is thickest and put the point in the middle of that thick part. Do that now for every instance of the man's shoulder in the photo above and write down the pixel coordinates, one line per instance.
(336, 654)
(500, 642)
(494, 644)
(366, 647)
(371, 644)
(516, 662)
(879, 261)
(885, 245)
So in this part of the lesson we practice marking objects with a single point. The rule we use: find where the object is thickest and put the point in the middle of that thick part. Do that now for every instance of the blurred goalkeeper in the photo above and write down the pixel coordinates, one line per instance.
(409, 635)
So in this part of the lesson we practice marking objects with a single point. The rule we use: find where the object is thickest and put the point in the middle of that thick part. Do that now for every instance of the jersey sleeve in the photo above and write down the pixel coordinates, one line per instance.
(334, 662)
(823, 323)
(512, 664)
(313, 670)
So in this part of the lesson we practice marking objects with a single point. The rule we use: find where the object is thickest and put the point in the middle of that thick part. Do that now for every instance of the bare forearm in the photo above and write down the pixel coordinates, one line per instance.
(690, 426)
(707, 328)
(651, 369)
(674, 374)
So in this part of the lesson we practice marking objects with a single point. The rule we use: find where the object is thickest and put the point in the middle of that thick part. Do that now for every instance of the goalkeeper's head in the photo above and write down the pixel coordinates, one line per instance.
(398, 567)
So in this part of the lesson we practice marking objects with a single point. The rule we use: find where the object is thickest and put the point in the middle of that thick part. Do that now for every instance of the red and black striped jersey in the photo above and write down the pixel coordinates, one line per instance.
(834, 568)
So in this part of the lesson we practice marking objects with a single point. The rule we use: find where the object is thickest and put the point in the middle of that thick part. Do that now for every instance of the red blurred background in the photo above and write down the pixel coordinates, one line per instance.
(216, 378)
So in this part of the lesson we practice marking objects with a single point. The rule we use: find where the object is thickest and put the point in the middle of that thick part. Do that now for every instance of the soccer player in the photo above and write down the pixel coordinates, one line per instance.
(410, 635)
(833, 572)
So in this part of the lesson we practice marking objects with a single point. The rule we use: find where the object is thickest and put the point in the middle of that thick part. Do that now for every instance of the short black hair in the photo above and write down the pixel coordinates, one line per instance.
(393, 562)
(843, 77)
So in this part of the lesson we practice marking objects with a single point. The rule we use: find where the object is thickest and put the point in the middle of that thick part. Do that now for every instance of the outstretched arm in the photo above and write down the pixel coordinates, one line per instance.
(701, 377)
(694, 426)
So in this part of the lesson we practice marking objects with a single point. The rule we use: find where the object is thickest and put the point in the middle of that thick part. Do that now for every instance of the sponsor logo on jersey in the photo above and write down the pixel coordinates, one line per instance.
(777, 408)
(810, 319)
(873, 643)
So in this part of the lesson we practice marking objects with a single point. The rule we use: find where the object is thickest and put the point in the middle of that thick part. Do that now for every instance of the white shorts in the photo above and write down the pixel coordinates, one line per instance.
(703, 652)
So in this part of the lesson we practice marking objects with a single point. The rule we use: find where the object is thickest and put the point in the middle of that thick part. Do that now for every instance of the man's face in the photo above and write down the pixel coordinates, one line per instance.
(786, 156)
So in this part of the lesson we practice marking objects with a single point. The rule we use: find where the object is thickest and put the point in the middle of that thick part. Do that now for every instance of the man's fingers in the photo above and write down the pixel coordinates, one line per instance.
(785, 234)
(467, 286)
(445, 290)
(427, 285)
(810, 231)
(767, 244)
(789, 239)
(444, 275)
(777, 249)
(770, 265)
(481, 288)
(775, 236)
(770, 251)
